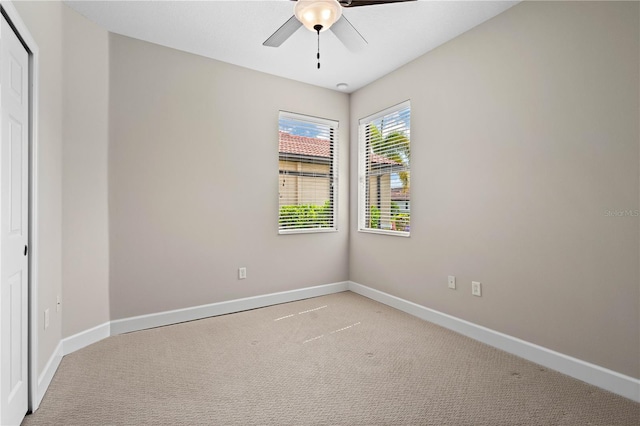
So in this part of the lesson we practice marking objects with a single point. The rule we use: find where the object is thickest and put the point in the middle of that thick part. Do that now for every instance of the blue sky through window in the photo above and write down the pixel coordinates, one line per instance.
(298, 128)
(396, 182)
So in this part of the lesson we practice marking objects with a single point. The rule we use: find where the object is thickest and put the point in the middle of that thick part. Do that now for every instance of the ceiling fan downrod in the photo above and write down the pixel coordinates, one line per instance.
(318, 28)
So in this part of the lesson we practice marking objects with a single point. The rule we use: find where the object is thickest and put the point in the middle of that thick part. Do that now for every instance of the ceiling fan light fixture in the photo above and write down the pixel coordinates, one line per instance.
(314, 13)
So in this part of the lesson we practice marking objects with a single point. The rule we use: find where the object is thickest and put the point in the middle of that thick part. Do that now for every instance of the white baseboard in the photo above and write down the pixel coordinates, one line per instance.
(85, 338)
(612, 381)
(142, 322)
(111, 328)
(44, 380)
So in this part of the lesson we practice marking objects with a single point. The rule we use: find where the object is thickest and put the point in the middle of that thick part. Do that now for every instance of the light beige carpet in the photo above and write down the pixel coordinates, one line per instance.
(340, 359)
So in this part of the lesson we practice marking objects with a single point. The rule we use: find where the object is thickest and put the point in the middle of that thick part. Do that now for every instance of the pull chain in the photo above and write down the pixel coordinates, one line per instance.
(318, 28)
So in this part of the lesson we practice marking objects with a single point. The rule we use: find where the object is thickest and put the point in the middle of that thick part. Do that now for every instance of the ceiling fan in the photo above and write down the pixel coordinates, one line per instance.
(321, 15)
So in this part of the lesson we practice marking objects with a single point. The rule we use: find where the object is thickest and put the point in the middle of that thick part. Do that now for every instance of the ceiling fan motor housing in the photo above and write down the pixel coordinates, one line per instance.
(321, 15)
(316, 14)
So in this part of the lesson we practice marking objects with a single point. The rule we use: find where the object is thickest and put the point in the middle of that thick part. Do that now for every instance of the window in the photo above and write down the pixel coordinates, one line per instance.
(308, 174)
(384, 171)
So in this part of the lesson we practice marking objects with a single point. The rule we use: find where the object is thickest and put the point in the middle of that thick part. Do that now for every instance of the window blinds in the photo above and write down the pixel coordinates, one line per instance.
(384, 171)
(307, 173)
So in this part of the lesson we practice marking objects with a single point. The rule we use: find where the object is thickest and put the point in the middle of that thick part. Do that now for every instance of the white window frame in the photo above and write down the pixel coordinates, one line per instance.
(333, 183)
(362, 170)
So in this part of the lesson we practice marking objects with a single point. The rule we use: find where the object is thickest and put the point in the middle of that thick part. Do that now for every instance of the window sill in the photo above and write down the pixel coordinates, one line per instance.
(385, 232)
(306, 231)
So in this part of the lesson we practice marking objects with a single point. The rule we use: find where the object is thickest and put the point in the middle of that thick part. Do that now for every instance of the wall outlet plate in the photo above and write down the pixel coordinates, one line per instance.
(242, 273)
(452, 282)
(476, 288)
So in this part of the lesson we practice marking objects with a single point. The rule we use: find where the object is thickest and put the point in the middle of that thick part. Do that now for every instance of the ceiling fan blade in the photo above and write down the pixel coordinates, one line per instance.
(356, 3)
(348, 35)
(283, 33)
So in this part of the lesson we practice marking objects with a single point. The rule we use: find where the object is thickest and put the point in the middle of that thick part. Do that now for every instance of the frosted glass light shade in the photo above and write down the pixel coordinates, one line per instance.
(318, 12)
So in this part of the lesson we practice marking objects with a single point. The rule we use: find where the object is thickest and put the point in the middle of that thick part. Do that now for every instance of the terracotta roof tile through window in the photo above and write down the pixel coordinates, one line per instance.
(302, 145)
(315, 147)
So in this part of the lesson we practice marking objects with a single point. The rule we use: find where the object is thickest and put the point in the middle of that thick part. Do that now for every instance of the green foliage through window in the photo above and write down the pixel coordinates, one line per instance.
(400, 221)
(374, 217)
(306, 216)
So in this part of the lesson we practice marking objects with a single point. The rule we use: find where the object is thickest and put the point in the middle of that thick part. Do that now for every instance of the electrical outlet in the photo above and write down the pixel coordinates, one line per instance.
(476, 288)
(58, 303)
(452, 282)
(242, 273)
(46, 318)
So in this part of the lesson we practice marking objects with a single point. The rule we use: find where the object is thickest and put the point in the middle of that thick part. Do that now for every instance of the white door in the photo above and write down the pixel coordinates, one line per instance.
(14, 225)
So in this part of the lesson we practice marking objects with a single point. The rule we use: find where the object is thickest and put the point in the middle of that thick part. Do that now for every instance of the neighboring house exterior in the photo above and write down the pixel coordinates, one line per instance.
(402, 199)
(305, 168)
(379, 188)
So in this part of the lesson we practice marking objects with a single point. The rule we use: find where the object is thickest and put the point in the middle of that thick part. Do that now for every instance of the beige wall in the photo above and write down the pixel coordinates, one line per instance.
(85, 232)
(44, 20)
(193, 182)
(524, 133)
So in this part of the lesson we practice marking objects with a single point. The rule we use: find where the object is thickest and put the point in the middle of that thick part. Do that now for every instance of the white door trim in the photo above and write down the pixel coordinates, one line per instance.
(23, 32)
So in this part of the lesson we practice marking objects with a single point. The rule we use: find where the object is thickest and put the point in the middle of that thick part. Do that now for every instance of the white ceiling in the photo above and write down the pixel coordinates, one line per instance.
(233, 31)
